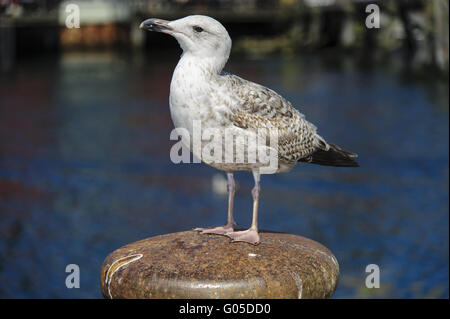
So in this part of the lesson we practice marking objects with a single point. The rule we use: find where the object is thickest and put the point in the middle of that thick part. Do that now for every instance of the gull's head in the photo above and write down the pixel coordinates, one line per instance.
(198, 35)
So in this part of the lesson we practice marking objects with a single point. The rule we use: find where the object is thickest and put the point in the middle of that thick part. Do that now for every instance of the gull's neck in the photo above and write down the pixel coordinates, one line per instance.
(209, 67)
(192, 80)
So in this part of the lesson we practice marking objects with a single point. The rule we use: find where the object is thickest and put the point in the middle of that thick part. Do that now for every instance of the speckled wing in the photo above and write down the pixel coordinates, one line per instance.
(258, 107)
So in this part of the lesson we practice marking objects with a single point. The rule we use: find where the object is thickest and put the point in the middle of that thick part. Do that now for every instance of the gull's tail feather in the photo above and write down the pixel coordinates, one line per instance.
(334, 156)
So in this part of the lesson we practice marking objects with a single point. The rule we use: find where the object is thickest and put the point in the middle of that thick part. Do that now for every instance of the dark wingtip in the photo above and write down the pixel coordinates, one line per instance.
(335, 156)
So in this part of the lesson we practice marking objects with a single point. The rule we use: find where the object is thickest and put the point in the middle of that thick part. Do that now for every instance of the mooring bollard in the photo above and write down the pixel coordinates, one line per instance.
(191, 265)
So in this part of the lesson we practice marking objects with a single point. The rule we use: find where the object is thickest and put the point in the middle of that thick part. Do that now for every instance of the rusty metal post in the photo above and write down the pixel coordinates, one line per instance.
(191, 265)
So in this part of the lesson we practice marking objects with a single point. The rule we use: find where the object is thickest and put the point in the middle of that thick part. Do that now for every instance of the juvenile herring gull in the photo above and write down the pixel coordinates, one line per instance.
(200, 91)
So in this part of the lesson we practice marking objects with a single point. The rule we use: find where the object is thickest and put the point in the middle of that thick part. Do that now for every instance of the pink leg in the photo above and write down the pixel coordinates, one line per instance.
(229, 227)
(250, 235)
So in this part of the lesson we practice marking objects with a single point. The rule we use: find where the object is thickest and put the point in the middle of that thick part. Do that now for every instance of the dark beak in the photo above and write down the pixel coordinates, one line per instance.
(157, 25)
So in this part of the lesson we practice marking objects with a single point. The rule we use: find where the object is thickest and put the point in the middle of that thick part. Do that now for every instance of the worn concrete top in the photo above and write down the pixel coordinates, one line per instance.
(192, 265)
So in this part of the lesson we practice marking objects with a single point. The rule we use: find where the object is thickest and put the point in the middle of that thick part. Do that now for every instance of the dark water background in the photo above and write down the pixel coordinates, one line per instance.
(85, 169)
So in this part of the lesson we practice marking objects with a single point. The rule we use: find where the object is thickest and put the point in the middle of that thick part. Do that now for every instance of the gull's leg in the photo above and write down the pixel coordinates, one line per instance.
(250, 235)
(222, 230)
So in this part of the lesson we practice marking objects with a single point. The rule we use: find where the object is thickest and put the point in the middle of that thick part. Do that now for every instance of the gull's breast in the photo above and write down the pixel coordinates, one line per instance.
(193, 98)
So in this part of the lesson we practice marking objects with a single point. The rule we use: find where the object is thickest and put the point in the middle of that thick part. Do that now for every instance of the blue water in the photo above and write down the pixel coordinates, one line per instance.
(85, 169)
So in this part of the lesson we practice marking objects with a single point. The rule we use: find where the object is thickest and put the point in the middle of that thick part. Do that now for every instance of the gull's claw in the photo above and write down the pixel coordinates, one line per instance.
(248, 236)
(220, 230)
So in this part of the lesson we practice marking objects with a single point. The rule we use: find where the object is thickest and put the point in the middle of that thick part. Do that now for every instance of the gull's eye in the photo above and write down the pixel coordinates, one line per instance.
(197, 29)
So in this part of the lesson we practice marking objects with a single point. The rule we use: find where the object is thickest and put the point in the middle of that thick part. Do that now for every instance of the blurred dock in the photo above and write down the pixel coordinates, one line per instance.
(255, 26)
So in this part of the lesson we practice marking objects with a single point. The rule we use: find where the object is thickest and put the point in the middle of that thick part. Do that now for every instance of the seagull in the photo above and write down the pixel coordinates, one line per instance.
(201, 91)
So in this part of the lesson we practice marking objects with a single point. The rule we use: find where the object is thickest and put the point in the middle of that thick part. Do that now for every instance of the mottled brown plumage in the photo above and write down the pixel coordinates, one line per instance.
(259, 107)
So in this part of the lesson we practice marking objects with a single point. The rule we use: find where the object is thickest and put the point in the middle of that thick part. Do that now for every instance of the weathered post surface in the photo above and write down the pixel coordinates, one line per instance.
(191, 265)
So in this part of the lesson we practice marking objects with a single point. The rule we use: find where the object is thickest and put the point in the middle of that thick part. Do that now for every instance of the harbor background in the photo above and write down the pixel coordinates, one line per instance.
(85, 124)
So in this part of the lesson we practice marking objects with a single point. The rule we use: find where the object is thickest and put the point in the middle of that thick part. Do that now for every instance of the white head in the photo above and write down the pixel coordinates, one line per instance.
(198, 35)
